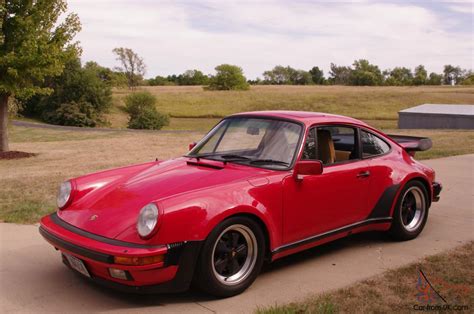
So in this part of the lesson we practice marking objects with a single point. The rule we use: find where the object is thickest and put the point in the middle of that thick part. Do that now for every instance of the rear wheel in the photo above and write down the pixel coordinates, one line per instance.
(231, 258)
(411, 212)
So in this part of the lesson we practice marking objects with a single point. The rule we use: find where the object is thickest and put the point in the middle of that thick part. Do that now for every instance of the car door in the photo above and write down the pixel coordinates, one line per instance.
(333, 199)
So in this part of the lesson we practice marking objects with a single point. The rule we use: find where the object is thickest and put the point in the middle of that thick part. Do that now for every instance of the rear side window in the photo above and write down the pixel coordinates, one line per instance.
(372, 145)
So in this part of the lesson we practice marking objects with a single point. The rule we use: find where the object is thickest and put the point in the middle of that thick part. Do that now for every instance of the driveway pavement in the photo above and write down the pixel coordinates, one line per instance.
(33, 279)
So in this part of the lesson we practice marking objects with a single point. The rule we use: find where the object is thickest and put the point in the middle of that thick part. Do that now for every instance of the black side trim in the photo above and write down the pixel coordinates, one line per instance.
(101, 257)
(174, 252)
(384, 204)
(437, 187)
(331, 233)
(55, 218)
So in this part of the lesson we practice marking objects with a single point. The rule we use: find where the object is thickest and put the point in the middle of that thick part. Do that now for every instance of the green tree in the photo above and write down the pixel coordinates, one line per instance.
(141, 107)
(110, 77)
(33, 46)
(132, 66)
(79, 97)
(193, 77)
(365, 73)
(434, 79)
(340, 75)
(317, 75)
(421, 75)
(399, 76)
(279, 75)
(160, 81)
(228, 77)
(468, 79)
(301, 77)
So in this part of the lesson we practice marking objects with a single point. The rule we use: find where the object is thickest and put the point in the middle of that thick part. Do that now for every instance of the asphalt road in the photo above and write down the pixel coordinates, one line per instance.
(33, 279)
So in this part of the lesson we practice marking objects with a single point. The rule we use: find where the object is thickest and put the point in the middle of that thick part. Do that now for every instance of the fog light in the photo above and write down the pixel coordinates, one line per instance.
(118, 273)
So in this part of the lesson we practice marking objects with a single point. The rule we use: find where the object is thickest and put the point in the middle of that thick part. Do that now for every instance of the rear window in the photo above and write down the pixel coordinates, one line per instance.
(372, 145)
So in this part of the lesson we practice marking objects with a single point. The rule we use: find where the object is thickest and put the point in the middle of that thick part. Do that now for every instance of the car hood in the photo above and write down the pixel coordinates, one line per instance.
(109, 203)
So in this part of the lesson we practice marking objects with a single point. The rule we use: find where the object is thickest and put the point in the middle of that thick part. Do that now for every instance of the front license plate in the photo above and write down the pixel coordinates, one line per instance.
(77, 264)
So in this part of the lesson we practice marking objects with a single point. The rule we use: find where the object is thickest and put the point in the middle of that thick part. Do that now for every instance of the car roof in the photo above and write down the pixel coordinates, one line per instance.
(307, 117)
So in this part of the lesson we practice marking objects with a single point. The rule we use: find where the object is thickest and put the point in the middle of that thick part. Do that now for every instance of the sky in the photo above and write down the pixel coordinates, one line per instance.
(174, 36)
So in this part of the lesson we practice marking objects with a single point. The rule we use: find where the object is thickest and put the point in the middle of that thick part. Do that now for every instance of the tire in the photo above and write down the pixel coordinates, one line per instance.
(411, 212)
(231, 257)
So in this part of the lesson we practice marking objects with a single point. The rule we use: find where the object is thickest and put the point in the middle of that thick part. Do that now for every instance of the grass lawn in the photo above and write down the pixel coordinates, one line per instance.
(395, 291)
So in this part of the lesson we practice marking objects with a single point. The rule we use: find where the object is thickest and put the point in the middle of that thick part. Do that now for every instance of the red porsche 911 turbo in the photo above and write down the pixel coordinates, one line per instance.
(258, 186)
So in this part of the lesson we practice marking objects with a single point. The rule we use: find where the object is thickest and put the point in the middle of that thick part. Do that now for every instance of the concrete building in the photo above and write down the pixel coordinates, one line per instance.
(437, 116)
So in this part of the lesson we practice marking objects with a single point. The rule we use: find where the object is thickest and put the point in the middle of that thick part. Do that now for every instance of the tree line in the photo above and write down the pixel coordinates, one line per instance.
(361, 73)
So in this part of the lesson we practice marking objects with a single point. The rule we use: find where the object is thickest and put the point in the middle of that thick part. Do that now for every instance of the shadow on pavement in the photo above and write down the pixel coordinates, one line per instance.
(195, 296)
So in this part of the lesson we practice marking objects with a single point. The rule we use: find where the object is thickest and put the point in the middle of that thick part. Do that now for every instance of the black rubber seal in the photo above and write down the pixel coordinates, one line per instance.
(79, 250)
(55, 218)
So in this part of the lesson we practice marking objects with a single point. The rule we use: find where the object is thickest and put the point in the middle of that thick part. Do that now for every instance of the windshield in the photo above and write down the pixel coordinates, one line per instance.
(260, 142)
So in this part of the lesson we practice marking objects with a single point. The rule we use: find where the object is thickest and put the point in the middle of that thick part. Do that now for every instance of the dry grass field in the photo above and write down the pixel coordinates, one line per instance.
(365, 103)
(28, 186)
(395, 291)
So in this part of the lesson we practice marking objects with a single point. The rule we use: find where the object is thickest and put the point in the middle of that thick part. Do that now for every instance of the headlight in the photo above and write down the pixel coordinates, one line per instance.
(64, 194)
(147, 219)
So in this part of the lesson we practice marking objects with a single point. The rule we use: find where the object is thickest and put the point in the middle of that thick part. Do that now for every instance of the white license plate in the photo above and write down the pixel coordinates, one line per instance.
(77, 264)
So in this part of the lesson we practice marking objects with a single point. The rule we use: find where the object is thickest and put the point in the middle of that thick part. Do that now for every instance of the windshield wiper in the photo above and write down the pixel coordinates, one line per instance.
(233, 156)
(269, 161)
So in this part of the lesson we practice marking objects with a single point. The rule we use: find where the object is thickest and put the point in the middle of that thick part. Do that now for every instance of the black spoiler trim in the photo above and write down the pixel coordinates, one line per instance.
(412, 143)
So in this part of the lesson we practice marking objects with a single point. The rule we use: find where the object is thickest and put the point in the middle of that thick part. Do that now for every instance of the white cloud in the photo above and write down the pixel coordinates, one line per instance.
(175, 36)
(462, 7)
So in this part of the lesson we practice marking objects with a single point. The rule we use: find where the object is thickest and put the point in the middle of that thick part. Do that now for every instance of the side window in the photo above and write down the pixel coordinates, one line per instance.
(309, 151)
(372, 145)
(336, 144)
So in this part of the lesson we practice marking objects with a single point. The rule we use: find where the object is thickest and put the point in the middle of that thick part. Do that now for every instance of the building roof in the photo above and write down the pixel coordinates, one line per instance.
(443, 109)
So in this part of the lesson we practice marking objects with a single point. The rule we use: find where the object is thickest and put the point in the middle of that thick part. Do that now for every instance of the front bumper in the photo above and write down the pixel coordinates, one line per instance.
(437, 187)
(97, 253)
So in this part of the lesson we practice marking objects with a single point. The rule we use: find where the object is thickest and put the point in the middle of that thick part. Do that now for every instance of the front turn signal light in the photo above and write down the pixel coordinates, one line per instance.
(139, 261)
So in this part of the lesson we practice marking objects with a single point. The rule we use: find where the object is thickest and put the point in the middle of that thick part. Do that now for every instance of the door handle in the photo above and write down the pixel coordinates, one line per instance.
(363, 174)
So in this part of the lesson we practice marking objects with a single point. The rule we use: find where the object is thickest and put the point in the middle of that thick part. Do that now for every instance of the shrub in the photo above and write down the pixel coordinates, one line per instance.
(469, 80)
(143, 114)
(72, 114)
(79, 95)
(148, 119)
(228, 77)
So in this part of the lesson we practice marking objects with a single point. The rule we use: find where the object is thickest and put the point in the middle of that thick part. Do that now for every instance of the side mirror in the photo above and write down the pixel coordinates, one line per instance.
(192, 145)
(308, 167)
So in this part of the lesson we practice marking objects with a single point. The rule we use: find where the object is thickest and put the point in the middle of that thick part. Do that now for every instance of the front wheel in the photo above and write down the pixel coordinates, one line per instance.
(411, 212)
(231, 257)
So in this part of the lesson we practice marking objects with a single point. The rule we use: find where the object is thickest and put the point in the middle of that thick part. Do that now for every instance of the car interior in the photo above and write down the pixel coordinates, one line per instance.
(333, 144)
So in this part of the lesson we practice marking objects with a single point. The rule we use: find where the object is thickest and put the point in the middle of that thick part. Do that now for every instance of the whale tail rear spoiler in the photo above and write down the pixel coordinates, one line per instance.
(412, 144)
